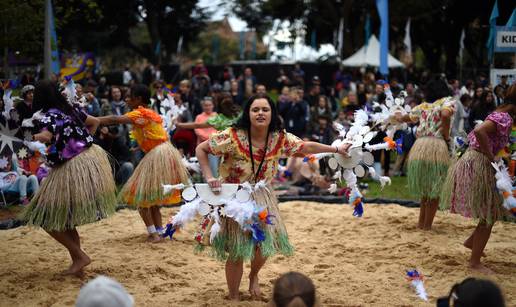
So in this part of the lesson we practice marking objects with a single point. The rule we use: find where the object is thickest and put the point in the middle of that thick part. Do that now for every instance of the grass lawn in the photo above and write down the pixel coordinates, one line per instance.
(397, 190)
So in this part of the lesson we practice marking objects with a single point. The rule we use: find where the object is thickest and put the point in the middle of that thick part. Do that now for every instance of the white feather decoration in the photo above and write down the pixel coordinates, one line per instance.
(186, 213)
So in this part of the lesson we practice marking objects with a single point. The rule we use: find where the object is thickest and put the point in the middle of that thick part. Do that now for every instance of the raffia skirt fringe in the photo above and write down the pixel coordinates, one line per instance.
(80, 191)
(233, 244)
(470, 189)
(427, 166)
(161, 165)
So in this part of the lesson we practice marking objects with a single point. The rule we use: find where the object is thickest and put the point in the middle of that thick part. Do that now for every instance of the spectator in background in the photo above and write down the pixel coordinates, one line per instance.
(127, 76)
(361, 94)
(17, 180)
(411, 93)
(24, 108)
(478, 95)
(313, 95)
(333, 100)
(260, 89)
(285, 95)
(207, 112)
(227, 77)
(350, 102)
(235, 94)
(323, 132)
(88, 100)
(481, 109)
(294, 114)
(159, 95)
(321, 109)
(467, 88)
(201, 82)
(293, 289)
(102, 90)
(457, 125)
(187, 97)
(282, 79)
(466, 100)
(298, 76)
(455, 88)
(115, 139)
(396, 88)
(247, 85)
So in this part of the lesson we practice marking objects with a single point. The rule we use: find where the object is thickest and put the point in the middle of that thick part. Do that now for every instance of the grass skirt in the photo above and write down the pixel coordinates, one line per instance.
(77, 192)
(233, 244)
(427, 166)
(161, 165)
(470, 189)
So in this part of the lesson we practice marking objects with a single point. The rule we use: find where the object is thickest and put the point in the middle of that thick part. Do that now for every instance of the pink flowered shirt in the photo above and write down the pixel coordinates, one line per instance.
(499, 139)
(233, 145)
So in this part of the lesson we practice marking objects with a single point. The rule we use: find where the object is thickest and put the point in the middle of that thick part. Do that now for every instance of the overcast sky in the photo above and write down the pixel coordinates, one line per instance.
(236, 23)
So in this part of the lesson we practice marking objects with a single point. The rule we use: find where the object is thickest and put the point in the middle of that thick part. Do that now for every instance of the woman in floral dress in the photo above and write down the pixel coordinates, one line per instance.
(250, 152)
(80, 188)
(429, 157)
(470, 187)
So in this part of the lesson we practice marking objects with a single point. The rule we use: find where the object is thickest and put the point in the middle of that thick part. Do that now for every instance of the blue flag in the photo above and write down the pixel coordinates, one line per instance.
(492, 32)
(383, 11)
(54, 54)
(512, 20)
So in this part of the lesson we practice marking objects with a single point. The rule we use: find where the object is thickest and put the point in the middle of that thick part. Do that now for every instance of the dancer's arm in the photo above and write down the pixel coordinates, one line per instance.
(482, 132)
(403, 118)
(193, 125)
(445, 124)
(43, 137)
(92, 123)
(201, 152)
(315, 148)
(114, 120)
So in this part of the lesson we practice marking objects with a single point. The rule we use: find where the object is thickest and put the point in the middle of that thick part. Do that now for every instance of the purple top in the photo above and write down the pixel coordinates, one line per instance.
(69, 135)
(499, 139)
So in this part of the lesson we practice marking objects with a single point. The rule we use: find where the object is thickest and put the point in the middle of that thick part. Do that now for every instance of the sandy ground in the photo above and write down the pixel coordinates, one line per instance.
(353, 261)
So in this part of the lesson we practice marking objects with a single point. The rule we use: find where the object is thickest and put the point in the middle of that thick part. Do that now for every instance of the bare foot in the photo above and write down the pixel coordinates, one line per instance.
(470, 246)
(254, 287)
(234, 297)
(154, 238)
(77, 266)
(481, 269)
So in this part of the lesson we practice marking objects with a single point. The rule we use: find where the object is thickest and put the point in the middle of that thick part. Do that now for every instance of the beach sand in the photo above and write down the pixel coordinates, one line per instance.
(352, 261)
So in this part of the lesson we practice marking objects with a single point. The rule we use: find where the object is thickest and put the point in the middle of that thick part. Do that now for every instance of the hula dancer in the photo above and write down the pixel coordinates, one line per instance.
(79, 188)
(471, 185)
(250, 152)
(161, 163)
(429, 157)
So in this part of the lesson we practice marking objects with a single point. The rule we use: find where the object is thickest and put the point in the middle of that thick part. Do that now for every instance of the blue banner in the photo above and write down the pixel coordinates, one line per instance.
(492, 32)
(383, 11)
(54, 54)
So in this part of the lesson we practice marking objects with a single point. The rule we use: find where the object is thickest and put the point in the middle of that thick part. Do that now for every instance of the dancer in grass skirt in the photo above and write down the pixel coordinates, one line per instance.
(79, 188)
(160, 165)
(250, 152)
(429, 157)
(470, 187)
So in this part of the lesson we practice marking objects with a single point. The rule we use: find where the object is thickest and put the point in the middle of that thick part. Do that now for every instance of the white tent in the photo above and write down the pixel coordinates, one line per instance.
(370, 56)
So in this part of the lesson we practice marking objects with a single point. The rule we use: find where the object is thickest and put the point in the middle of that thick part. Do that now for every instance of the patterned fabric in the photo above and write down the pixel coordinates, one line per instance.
(147, 128)
(498, 140)
(429, 116)
(70, 136)
(221, 121)
(236, 165)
